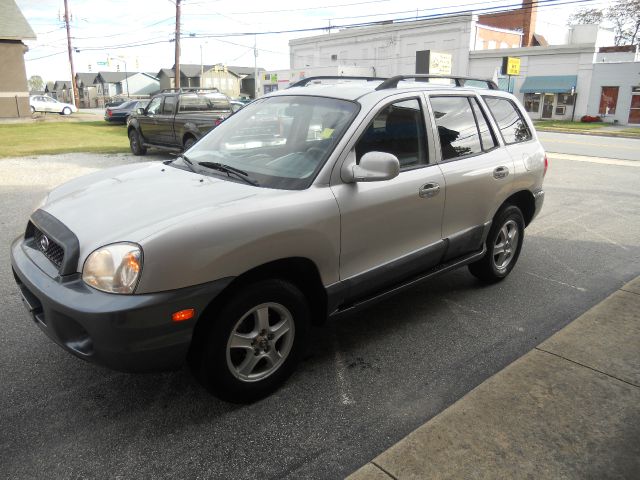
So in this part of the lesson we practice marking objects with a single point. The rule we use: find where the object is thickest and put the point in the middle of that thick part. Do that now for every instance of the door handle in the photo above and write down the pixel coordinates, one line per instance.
(500, 172)
(429, 190)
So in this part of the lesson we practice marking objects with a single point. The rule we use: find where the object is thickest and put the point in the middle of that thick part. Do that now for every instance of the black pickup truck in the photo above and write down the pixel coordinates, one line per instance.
(176, 119)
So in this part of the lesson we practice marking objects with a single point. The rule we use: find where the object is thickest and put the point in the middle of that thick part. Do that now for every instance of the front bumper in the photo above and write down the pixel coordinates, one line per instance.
(122, 332)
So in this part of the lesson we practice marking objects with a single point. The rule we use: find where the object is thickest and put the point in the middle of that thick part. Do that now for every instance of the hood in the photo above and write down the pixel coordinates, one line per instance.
(132, 202)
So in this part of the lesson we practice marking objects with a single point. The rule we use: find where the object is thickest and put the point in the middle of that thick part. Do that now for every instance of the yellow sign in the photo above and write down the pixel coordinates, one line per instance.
(439, 63)
(513, 66)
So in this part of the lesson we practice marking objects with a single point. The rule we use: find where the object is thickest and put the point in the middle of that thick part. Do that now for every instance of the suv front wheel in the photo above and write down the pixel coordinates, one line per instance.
(135, 141)
(503, 246)
(254, 341)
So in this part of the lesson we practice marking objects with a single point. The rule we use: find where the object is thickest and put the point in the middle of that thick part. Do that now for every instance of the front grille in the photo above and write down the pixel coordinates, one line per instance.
(51, 249)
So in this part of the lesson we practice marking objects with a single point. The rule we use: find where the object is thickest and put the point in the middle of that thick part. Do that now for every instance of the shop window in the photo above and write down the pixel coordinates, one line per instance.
(608, 100)
(532, 102)
(565, 99)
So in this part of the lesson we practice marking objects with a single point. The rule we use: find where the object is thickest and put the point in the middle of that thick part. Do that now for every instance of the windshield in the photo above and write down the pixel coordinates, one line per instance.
(280, 142)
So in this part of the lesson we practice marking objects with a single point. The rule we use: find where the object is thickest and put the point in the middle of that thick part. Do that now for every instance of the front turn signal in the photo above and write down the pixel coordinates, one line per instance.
(183, 315)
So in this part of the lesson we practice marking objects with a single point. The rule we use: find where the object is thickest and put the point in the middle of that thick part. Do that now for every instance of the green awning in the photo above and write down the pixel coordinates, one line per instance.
(549, 84)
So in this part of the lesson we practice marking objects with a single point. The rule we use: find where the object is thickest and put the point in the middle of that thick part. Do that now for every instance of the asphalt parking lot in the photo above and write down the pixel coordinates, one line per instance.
(367, 380)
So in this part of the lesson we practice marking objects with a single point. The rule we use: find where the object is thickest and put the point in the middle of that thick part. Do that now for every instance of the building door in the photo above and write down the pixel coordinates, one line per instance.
(634, 111)
(547, 105)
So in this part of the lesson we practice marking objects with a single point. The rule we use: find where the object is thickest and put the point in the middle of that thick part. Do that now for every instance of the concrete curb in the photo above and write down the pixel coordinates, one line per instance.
(570, 408)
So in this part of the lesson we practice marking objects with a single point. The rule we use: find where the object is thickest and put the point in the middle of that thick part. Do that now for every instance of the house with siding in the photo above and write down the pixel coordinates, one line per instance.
(87, 91)
(112, 85)
(14, 91)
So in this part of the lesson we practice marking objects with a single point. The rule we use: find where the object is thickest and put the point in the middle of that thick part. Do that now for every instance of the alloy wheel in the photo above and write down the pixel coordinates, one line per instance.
(260, 342)
(506, 245)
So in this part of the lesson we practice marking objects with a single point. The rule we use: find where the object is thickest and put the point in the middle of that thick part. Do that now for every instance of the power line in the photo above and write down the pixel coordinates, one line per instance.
(298, 9)
(536, 4)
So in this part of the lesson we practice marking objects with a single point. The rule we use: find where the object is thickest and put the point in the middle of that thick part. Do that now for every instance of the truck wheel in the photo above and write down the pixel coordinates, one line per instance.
(504, 243)
(254, 342)
(33, 110)
(188, 143)
(136, 143)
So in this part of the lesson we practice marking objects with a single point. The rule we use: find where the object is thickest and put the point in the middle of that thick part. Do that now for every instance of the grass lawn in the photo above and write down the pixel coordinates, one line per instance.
(21, 139)
(569, 125)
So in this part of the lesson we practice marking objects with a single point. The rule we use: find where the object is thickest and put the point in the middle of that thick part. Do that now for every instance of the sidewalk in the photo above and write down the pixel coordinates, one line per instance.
(621, 131)
(568, 409)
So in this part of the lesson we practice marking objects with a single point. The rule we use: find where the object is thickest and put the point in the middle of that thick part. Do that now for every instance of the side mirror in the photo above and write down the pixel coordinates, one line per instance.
(374, 167)
(140, 111)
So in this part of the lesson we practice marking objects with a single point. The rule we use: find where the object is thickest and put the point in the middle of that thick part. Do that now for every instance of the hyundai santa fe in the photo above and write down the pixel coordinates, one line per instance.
(308, 203)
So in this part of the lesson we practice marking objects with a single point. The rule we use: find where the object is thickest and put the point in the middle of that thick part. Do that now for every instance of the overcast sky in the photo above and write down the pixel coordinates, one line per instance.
(100, 27)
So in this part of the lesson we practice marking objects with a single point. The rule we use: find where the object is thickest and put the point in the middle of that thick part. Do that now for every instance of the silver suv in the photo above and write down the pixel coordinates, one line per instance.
(311, 202)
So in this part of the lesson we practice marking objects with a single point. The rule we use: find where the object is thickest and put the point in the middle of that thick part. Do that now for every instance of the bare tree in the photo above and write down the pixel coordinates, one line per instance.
(586, 16)
(36, 84)
(624, 15)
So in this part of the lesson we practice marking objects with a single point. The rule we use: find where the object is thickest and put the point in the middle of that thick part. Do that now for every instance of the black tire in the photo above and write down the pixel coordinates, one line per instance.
(490, 268)
(135, 142)
(66, 111)
(188, 143)
(33, 110)
(217, 365)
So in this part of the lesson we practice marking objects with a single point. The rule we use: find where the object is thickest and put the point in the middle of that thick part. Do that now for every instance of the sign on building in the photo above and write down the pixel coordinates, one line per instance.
(510, 66)
(433, 63)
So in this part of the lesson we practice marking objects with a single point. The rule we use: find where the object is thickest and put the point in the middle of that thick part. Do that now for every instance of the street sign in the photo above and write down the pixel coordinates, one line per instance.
(102, 63)
(511, 65)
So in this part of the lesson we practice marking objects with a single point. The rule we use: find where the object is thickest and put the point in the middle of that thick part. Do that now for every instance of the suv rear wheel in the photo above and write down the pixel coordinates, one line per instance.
(254, 341)
(188, 143)
(136, 143)
(503, 246)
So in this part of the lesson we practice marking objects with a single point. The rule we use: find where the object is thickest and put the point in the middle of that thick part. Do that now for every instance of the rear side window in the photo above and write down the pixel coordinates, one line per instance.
(169, 106)
(456, 127)
(512, 126)
(203, 103)
(486, 135)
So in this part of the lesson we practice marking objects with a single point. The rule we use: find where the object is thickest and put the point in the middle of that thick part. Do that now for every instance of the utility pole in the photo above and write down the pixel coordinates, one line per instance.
(74, 86)
(255, 67)
(177, 62)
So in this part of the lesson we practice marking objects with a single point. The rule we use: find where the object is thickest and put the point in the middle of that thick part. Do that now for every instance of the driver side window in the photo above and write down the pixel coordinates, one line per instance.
(154, 106)
(398, 129)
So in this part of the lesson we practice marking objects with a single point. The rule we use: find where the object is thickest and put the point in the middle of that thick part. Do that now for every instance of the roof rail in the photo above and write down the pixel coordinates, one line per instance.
(460, 81)
(188, 89)
(305, 81)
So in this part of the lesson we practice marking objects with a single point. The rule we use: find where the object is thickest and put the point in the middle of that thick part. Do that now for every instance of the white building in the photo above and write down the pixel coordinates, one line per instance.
(387, 49)
(562, 82)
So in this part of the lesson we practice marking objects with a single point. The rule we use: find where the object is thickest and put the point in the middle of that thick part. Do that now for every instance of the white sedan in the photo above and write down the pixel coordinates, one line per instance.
(43, 103)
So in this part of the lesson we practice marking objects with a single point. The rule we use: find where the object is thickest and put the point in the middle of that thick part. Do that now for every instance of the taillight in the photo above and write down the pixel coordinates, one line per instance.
(109, 112)
(546, 165)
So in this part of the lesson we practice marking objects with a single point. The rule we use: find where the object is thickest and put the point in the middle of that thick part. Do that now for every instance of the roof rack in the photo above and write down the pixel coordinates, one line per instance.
(460, 81)
(305, 81)
(189, 89)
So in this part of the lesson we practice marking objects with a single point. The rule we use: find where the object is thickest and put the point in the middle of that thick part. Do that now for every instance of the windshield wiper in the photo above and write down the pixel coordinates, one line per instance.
(221, 167)
(186, 160)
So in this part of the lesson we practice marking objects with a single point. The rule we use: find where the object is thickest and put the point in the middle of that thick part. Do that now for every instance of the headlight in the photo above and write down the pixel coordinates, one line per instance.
(114, 268)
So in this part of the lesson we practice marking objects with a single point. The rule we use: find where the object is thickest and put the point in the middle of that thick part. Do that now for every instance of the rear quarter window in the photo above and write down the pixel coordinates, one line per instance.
(513, 127)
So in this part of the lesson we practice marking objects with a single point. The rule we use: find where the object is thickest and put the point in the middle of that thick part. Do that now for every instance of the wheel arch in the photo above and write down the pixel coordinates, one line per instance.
(187, 135)
(525, 201)
(300, 271)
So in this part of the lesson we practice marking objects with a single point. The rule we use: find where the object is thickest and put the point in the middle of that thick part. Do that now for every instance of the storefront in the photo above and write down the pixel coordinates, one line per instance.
(615, 92)
(550, 97)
